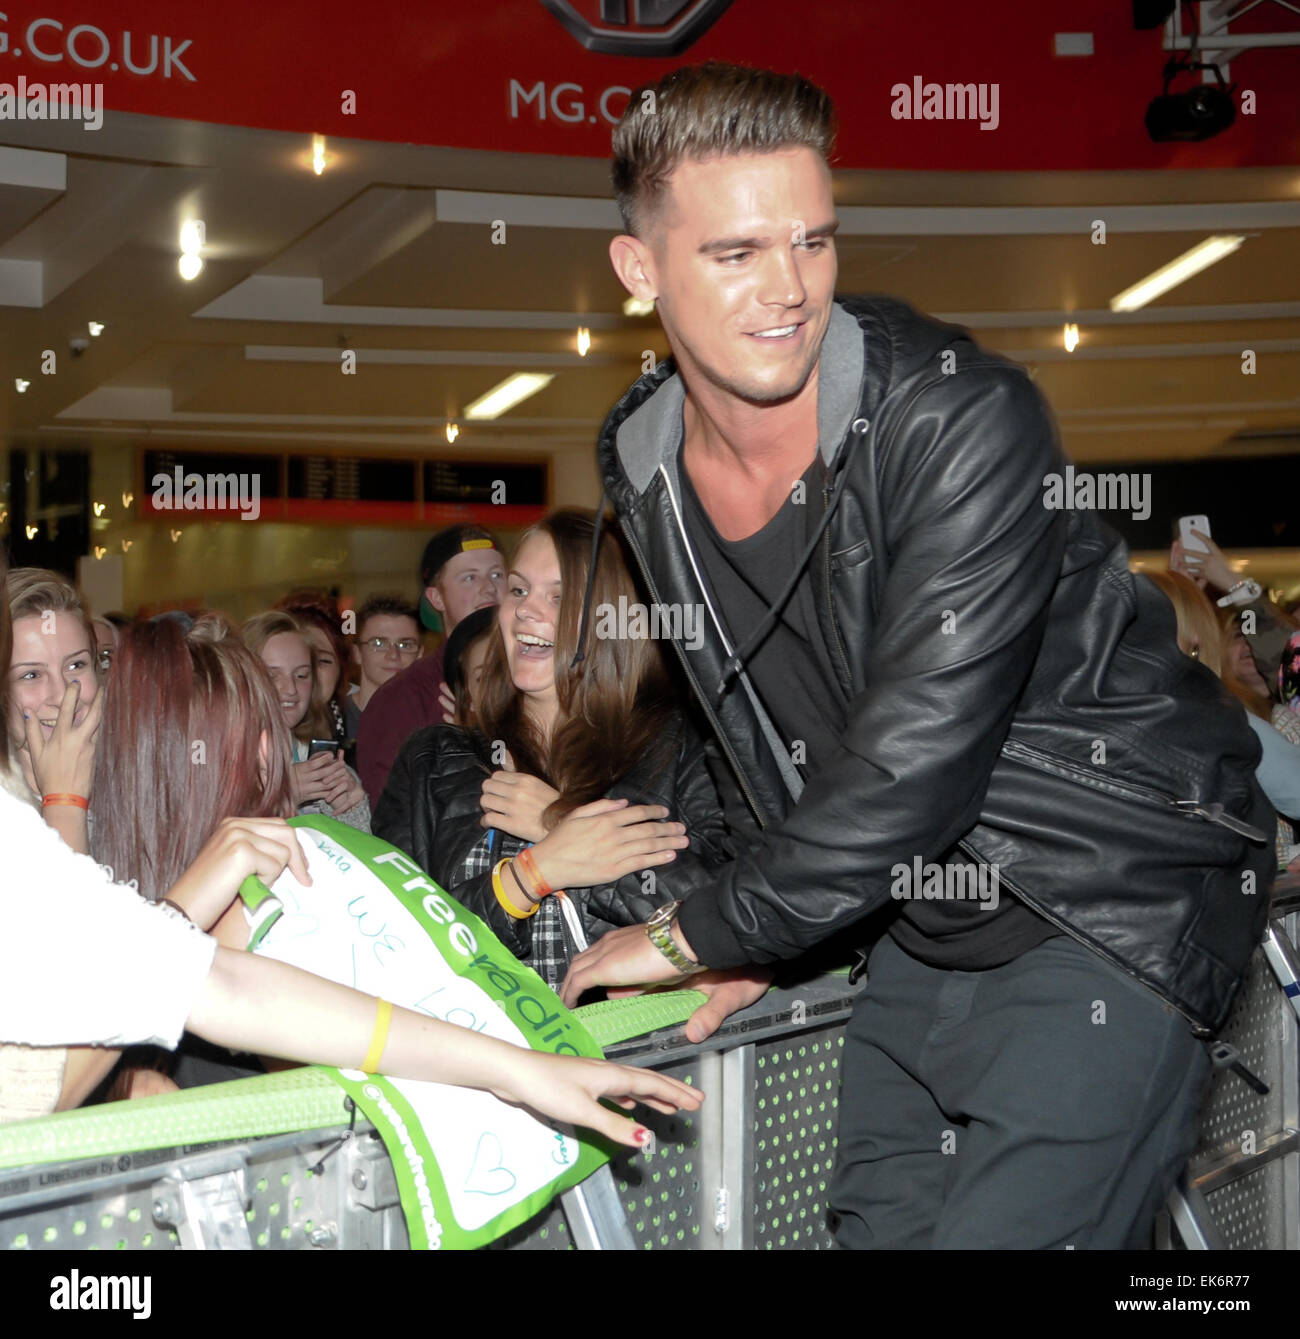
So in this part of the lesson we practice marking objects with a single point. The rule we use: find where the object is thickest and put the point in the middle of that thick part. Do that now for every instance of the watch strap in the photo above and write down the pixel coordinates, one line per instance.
(659, 929)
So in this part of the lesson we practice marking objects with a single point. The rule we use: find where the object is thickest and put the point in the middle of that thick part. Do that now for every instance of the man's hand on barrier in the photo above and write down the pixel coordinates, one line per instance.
(728, 993)
(567, 1089)
(623, 957)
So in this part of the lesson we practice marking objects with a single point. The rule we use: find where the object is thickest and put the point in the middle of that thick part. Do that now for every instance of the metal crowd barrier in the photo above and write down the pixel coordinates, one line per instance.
(750, 1170)
(1241, 1190)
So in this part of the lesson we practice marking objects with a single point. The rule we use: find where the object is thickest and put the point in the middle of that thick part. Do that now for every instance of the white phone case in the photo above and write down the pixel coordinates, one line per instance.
(1186, 524)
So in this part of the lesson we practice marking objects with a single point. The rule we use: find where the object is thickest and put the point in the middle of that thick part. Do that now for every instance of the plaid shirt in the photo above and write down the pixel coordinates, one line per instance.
(551, 949)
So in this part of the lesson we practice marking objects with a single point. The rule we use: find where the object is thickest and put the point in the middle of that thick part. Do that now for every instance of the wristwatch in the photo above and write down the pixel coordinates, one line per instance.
(659, 929)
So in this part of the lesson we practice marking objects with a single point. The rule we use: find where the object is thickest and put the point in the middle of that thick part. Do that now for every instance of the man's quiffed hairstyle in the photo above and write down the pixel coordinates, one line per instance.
(702, 111)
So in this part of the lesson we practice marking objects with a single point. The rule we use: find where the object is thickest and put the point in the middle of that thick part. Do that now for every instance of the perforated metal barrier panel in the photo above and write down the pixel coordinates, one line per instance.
(796, 1100)
(1246, 1169)
(750, 1170)
(697, 1188)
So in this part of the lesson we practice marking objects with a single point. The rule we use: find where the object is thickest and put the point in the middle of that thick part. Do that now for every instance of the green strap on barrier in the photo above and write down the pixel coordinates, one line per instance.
(297, 1099)
(610, 1021)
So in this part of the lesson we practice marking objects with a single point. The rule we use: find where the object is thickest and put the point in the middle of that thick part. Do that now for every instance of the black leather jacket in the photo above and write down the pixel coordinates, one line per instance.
(430, 809)
(1011, 688)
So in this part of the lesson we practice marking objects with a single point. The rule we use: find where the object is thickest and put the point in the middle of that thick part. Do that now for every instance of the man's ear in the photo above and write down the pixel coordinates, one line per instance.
(434, 597)
(634, 266)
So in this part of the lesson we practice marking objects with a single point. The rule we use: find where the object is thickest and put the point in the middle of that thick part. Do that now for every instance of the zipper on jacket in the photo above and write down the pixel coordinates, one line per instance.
(1198, 1028)
(701, 697)
(1071, 770)
(846, 679)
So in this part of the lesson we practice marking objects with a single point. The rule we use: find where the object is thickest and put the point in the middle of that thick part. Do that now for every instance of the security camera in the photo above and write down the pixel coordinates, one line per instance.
(78, 344)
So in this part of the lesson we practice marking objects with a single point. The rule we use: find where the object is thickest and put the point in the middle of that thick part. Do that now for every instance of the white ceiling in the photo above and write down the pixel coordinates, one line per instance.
(389, 253)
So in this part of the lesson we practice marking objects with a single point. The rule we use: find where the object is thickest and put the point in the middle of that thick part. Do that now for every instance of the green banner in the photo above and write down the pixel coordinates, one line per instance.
(469, 1167)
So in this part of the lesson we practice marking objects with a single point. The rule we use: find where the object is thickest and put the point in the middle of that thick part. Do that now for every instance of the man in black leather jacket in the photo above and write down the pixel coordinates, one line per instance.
(923, 676)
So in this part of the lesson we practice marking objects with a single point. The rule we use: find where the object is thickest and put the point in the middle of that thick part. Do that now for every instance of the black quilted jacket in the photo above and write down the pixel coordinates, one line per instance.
(1050, 726)
(430, 809)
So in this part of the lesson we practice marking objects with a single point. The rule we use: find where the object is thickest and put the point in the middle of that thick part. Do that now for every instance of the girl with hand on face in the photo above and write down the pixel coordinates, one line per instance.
(321, 783)
(55, 703)
(586, 777)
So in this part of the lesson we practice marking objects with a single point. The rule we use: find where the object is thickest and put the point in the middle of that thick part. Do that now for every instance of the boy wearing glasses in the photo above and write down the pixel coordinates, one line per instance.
(388, 641)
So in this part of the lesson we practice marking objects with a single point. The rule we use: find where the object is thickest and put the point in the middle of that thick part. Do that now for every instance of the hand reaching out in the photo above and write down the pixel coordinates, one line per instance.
(567, 1089)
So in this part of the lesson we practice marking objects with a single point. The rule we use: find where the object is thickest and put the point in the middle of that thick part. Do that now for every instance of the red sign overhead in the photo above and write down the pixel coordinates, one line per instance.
(943, 85)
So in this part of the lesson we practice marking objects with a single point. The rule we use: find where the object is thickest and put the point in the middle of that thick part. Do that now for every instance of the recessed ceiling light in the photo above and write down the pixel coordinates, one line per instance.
(508, 393)
(20, 385)
(1071, 337)
(638, 306)
(1181, 268)
(584, 341)
(190, 265)
(96, 328)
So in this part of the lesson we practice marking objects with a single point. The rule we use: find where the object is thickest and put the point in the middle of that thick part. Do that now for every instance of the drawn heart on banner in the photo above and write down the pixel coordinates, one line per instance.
(487, 1174)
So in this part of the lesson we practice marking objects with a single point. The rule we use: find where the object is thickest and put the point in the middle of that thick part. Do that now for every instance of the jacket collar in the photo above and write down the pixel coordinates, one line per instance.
(650, 434)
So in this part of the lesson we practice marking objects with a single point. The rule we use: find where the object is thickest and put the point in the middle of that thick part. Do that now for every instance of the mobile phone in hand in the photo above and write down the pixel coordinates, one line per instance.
(1186, 524)
(316, 746)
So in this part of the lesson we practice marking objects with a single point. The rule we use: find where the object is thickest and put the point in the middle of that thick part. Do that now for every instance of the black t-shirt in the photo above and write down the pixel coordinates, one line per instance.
(792, 673)
(791, 667)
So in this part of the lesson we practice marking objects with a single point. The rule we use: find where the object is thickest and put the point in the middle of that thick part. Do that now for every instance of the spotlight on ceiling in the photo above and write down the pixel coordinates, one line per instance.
(1199, 113)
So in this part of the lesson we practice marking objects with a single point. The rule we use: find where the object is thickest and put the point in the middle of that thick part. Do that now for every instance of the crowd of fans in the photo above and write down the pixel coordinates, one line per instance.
(171, 750)
(550, 779)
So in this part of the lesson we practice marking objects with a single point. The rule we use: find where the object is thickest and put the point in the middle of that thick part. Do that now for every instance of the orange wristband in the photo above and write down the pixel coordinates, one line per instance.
(80, 801)
(529, 867)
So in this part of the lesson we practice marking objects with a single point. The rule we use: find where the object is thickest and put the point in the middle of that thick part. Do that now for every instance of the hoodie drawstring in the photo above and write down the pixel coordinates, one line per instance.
(736, 662)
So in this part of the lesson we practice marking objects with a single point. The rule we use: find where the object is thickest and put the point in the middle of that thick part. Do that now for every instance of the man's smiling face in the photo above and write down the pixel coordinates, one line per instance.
(741, 259)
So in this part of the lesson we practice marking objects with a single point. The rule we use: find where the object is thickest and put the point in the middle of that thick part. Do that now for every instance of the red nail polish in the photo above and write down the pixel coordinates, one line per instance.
(641, 1135)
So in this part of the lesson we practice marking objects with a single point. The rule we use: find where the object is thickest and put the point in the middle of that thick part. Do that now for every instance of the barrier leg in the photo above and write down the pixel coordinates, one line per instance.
(595, 1214)
(1191, 1216)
